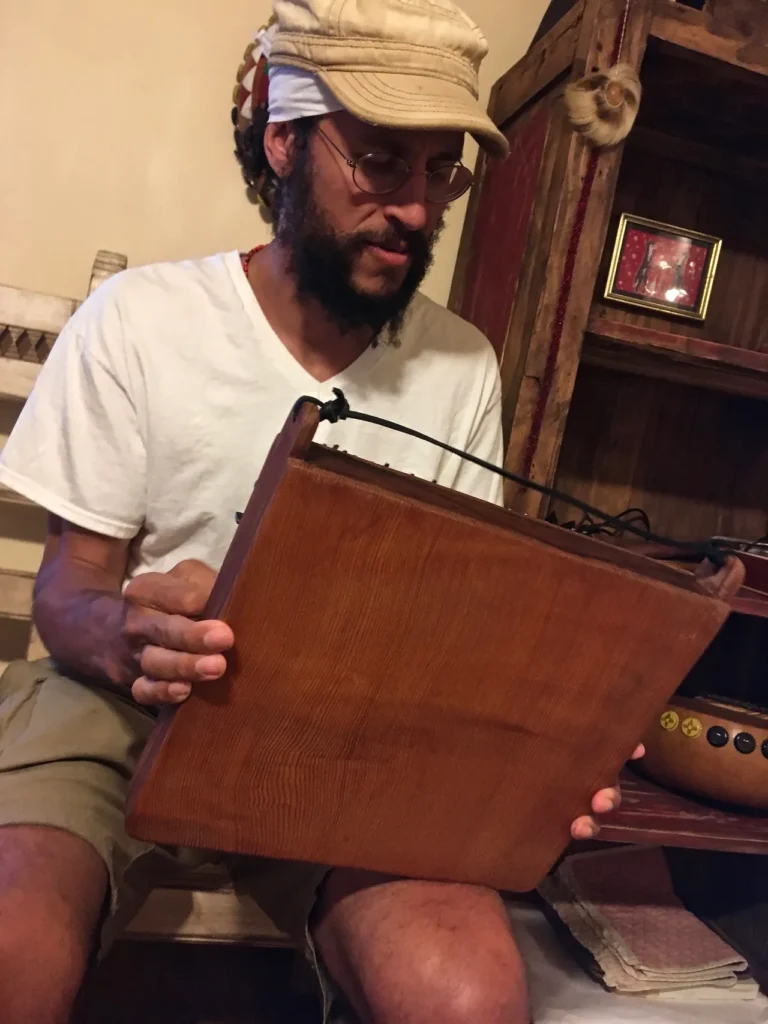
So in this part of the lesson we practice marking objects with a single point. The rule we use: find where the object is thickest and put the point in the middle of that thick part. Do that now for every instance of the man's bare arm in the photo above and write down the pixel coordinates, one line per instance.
(147, 637)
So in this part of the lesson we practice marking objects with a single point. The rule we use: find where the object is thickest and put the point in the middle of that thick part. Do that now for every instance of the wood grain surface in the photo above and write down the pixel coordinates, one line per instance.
(563, 293)
(422, 683)
(614, 342)
(495, 259)
(546, 61)
(651, 814)
(732, 31)
(696, 461)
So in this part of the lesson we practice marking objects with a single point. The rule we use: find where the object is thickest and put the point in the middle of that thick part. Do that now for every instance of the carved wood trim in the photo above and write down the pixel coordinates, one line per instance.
(105, 265)
(30, 322)
(17, 377)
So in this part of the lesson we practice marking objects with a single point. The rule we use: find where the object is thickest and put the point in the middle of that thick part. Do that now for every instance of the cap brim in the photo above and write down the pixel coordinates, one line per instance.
(414, 101)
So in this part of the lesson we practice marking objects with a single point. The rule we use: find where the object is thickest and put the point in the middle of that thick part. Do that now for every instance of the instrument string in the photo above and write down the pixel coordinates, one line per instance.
(712, 549)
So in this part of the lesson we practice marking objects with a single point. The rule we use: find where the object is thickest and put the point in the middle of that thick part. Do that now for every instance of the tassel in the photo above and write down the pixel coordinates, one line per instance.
(602, 107)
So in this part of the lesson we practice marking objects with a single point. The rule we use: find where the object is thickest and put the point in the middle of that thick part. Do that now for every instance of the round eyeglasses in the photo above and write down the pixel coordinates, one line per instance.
(381, 173)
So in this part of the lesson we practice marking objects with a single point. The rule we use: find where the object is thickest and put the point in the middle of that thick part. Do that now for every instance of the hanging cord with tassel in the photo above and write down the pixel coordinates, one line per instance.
(338, 409)
(602, 106)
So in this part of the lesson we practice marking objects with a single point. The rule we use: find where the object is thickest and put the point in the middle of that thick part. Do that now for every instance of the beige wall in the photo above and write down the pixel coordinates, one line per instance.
(115, 132)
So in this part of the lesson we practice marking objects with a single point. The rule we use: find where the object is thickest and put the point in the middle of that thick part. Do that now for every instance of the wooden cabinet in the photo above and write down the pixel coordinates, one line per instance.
(617, 405)
(583, 403)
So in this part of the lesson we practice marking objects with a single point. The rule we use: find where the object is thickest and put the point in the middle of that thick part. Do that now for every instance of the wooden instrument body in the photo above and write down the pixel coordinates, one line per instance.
(710, 748)
(422, 684)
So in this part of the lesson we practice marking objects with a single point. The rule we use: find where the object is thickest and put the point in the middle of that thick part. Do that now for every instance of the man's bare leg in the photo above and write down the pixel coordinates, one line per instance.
(409, 952)
(52, 888)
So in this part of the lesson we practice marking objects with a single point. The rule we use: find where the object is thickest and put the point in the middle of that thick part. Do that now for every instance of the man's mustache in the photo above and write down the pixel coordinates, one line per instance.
(414, 243)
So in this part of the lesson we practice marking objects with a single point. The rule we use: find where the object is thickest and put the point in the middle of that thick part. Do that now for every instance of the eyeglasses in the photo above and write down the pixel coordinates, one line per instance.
(381, 173)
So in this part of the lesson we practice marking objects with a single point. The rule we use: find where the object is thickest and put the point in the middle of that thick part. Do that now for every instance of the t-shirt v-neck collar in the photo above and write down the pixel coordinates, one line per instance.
(284, 361)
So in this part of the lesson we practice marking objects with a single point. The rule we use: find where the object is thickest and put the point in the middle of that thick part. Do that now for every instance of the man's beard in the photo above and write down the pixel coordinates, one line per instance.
(322, 261)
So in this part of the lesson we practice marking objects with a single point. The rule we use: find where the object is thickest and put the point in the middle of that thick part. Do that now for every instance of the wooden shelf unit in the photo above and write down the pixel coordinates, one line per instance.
(616, 344)
(616, 405)
(651, 814)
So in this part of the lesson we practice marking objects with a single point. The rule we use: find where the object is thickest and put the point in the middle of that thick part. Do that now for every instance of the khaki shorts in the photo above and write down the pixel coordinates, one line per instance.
(68, 748)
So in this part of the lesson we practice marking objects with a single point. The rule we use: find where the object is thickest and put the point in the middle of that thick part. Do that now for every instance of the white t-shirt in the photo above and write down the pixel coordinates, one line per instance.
(156, 408)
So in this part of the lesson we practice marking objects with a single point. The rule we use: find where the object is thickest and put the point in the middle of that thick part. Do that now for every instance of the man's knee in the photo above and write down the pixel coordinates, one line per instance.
(52, 889)
(43, 960)
(409, 952)
(481, 992)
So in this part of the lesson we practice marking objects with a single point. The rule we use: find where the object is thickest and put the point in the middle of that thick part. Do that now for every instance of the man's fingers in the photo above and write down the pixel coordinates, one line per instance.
(584, 828)
(161, 664)
(639, 752)
(177, 633)
(174, 595)
(150, 691)
(174, 650)
(605, 801)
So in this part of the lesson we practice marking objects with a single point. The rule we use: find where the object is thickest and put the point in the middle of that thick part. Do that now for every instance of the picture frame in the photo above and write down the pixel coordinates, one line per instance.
(662, 268)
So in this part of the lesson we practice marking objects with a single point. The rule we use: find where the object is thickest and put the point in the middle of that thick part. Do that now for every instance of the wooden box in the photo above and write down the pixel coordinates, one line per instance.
(422, 684)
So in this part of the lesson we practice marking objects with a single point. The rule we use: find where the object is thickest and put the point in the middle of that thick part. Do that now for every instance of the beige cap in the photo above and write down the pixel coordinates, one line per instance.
(397, 63)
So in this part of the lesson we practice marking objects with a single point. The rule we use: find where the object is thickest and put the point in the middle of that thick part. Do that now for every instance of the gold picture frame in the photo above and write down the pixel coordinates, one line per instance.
(662, 268)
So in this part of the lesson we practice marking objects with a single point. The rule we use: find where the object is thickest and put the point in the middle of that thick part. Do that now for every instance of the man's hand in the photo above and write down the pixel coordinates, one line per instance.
(174, 650)
(604, 802)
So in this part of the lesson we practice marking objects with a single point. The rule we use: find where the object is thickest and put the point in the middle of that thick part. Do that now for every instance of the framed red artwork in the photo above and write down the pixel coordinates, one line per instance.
(662, 267)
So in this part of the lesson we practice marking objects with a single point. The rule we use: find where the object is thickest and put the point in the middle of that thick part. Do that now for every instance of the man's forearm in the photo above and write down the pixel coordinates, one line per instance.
(82, 626)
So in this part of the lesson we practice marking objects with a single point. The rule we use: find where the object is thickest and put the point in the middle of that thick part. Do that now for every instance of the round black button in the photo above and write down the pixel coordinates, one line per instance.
(764, 748)
(718, 736)
(745, 743)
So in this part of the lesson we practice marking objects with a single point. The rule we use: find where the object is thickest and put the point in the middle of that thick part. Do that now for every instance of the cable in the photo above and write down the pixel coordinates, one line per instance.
(590, 527)
(338, 409)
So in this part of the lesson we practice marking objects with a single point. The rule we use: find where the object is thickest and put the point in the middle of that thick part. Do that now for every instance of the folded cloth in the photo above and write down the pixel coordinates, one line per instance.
(637, 937)
(746, 989)
(729, 893)
(561, 993)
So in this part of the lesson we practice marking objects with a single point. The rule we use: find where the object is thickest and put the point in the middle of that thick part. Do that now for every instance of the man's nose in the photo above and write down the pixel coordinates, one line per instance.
(409, 204)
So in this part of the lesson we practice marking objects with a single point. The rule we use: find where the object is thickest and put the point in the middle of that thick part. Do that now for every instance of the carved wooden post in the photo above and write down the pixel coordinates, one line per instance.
(105, 265)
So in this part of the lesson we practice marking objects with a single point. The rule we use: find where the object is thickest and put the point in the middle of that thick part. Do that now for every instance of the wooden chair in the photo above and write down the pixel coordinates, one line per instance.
(199, 906)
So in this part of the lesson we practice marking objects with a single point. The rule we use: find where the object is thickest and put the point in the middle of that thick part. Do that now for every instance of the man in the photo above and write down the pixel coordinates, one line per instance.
(145, 432)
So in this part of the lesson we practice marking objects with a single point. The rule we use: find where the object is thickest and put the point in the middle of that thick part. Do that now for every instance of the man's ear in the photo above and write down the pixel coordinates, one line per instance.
(280, 147)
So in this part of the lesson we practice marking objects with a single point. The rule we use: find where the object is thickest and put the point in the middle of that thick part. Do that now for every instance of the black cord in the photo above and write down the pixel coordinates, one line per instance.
(338, 409)
(592, 528)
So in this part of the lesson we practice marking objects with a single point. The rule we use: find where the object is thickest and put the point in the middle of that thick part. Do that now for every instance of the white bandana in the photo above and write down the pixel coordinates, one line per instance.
(294, 92)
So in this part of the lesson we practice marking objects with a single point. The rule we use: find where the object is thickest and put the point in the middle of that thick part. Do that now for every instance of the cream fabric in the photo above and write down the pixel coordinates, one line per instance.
(400, 63)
